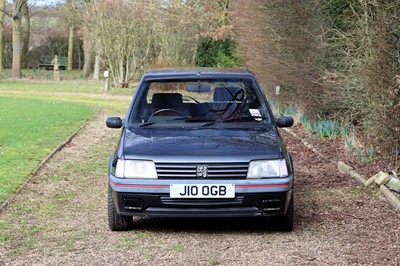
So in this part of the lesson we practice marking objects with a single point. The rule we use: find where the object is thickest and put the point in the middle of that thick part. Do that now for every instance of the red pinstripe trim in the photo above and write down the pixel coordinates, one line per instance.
(262, 186)
(167, 186)
(138, 185)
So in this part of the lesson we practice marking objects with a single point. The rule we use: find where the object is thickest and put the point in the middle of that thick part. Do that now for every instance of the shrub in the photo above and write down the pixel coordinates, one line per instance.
(326, 128)
(217, 53)
(305, 121)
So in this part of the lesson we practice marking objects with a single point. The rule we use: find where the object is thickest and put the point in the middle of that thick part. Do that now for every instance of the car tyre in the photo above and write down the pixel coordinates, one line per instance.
(117, 222)
(284, 223)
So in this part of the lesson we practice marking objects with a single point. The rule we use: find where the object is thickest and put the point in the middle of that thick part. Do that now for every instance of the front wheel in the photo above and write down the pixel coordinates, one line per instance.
(285, 222)
(117, 222)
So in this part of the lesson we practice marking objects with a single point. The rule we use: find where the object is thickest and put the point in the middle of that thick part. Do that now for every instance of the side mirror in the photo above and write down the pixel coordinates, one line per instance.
(284, 121)
(114, 122)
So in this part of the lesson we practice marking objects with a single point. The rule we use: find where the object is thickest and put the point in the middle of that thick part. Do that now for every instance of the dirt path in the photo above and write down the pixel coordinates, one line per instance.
(60, 219)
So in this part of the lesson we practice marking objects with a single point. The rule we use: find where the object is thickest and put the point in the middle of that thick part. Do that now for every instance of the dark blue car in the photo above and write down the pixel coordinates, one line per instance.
(200, 142)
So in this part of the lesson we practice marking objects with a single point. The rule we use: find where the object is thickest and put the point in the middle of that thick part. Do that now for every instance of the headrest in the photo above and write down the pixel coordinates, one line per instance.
(166, 100)
(228, 94)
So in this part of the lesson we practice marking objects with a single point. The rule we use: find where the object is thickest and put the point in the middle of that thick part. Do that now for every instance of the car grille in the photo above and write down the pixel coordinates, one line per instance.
(201, 202)
(214, 170)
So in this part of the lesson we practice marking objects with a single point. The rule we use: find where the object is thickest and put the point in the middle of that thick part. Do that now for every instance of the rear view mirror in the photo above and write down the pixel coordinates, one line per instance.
(197, 87)
(114, 122)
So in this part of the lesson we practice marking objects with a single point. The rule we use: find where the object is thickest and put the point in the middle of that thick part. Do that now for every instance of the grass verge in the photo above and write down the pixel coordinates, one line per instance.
(31, 128)
(69, 86)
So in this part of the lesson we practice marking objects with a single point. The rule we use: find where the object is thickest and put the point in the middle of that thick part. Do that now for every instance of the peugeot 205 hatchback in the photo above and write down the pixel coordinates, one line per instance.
(200, 142)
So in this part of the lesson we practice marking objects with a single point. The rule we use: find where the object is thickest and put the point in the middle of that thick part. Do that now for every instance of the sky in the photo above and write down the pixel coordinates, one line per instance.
(44, 2)
(40, 2)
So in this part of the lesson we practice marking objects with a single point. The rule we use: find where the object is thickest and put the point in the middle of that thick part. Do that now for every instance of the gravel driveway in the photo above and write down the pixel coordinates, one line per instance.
(60, 219)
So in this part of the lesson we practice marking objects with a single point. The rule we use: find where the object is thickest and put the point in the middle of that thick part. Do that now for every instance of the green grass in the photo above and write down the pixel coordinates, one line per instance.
(30, 129)
(68, 86)
(37, 115)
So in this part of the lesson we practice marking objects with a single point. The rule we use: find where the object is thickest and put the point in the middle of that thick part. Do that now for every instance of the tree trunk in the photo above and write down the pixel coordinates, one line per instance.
(2, 6)
(70, 46)
(16, 39)
(96, 73)
(121, 74)
(25, 34)
(79, 57)
(87, 54)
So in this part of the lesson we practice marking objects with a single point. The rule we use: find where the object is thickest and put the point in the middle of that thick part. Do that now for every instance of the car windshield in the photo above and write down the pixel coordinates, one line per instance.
(199, 102)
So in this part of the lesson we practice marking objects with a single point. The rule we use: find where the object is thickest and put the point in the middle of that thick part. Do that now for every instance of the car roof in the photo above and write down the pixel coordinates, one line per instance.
(196, 72)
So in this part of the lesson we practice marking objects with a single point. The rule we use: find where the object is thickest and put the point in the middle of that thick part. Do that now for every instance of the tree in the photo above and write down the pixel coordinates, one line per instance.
(88, 42)
(87, 52)
(16, 36)
(25, 34)
(125, 33)
(135, 35)
(96, 72)
(72, 16)
(71, 30)
(72, 12)
(16, 40)
(2, 7)
(70, 46)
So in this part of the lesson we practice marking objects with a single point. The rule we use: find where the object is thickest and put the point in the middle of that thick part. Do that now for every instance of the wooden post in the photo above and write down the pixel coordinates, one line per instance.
(277, 92)
(107, 80)
(56, 72)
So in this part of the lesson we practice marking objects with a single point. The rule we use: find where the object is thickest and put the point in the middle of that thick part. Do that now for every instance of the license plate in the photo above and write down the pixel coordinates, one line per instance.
(202, 191)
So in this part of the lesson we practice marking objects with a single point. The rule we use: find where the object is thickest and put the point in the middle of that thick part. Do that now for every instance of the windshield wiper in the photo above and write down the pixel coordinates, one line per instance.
(195, 119)
(235, 119)
(145, 124)
(208, 123)
(239, 119)
(182, 118)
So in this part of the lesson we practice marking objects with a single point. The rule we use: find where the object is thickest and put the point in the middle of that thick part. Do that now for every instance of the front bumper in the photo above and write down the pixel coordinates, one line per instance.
(264, 197)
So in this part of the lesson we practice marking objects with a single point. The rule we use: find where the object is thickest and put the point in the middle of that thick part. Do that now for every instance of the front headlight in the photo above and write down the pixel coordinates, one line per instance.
(136, 169)
(267, 168)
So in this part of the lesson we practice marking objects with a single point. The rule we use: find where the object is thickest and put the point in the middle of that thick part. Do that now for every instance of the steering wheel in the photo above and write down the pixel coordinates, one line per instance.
(164, 110)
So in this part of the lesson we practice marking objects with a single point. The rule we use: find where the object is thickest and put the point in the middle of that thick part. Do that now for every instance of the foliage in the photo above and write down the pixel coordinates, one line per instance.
(125, 33)
(365, 154)
(363, 41)
(305, 121)
(350, 146)
(55, 42)
(331, 129)
(326, 128)
(217, 53)
(273, 104)
(175, 45)
(7, 46)
(337, 58)
(371, 153)
(290, 110)
(344, 131)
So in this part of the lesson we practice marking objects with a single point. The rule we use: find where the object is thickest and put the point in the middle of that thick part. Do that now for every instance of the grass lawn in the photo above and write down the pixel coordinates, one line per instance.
(70, 86)
(30, 129)
(38, 114)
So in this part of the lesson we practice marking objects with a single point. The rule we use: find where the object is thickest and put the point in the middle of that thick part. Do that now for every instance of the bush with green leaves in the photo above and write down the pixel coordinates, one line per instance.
(326, 128)
(305, 121)
(217, 53)
(350, 146)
